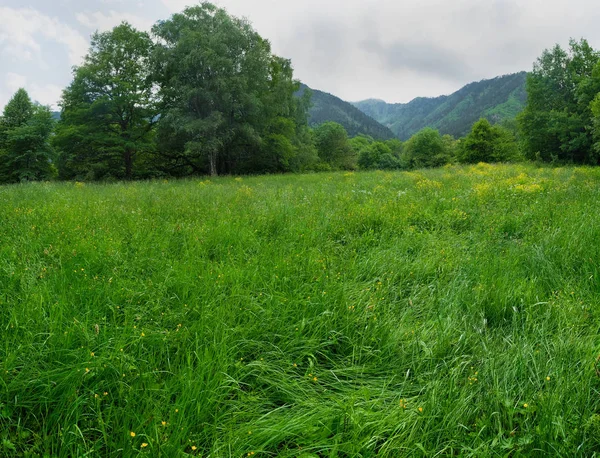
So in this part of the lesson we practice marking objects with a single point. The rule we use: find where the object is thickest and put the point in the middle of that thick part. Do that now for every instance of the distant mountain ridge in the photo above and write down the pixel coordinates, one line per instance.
(496, 99)
(327, 107)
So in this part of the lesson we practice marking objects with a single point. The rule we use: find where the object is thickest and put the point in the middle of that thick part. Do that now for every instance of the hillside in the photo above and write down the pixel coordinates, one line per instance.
(495, 99)
(327, 107)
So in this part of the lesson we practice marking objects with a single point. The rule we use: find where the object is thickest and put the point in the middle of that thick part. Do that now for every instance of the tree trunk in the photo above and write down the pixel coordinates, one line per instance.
(212, 158)
(128, 157)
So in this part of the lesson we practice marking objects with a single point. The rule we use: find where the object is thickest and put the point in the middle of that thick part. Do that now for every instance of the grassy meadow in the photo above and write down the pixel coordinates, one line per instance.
(447, 312)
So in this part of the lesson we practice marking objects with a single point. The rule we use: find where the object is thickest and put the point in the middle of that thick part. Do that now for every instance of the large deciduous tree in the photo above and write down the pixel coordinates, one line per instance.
(228, 103)
(109, 110)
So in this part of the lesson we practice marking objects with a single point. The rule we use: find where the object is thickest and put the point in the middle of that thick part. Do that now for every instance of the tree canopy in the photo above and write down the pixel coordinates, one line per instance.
(557, 122)
(333, 146)
(110, 108)
(228, 103)
(426, 149)
(25, 151)
(487, 143)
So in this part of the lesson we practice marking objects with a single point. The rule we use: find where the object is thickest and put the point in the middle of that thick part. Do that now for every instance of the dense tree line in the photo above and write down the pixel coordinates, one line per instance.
(201, 94)
(427, 148)
(204, 94)
(560, 121)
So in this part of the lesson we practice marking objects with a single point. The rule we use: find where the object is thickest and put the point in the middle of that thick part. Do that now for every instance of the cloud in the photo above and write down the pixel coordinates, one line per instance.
(105, 21)
(23, 30)
(399, 50)
(420, 58)
(46, 94)
(352, 48)
(14, 81)
(177, 5)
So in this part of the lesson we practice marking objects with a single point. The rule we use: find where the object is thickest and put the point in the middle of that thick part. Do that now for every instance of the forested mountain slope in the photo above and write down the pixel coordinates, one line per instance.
(495, 99)
(327, 107)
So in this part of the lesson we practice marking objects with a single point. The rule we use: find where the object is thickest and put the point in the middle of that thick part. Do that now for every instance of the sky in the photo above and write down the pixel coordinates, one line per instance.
(355, 49)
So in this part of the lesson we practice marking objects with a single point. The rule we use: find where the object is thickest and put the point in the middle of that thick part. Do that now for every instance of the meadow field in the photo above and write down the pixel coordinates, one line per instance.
(446, 312)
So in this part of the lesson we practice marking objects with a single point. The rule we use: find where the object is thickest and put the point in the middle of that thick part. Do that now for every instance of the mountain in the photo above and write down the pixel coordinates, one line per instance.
(496, 99)
(327, 107)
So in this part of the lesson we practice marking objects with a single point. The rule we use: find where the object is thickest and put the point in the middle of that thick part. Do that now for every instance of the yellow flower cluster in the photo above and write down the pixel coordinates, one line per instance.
(428, 185)
(528, 188)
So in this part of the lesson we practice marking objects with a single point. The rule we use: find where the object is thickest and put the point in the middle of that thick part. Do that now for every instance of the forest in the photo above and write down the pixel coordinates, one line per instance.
(203, 94)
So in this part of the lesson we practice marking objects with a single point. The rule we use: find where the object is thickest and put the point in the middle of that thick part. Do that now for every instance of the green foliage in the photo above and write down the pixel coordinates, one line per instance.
(326, 107)
(228, 104)
(487, 143)
(108, 111)
(25, 130)
(389, 161)
(426, 148)
(18, 111)
(450, 147)
(358, 315)
(378, 155)
(333, 147)
(396, 146)
(497, 99)
(595, 109)
(557, 122)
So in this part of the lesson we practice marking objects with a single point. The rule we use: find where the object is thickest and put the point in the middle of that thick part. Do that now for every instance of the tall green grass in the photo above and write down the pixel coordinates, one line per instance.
(434, 313)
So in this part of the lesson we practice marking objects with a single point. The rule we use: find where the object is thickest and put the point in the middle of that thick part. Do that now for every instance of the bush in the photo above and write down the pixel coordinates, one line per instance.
(426, 148)
(331, 140)
(487, 143)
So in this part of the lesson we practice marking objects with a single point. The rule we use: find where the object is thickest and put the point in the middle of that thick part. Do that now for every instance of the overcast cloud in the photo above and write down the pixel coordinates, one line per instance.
(355, 49)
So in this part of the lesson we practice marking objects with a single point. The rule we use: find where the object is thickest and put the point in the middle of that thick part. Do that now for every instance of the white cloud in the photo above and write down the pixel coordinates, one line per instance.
(355, 49)
(46, 94)
(177, 5)
(14, 81)
(22, 32)
(106, 21)
(399, 50)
